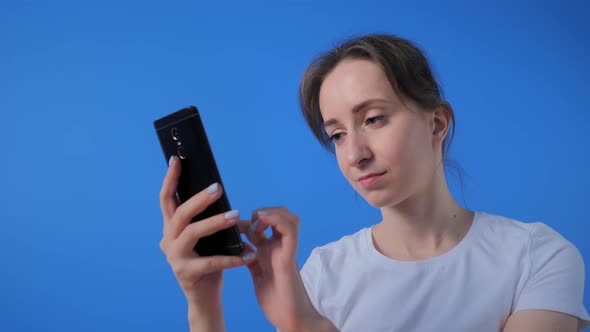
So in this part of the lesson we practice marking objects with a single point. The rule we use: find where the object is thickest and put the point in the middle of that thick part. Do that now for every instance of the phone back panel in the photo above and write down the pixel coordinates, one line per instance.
(182, 134)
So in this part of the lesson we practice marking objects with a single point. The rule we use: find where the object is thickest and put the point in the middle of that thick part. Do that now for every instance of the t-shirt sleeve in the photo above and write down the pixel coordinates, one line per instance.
(556, 276)
(311, 274)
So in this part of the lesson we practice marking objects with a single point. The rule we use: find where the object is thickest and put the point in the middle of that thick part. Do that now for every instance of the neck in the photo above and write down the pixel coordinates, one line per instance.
(424, 225)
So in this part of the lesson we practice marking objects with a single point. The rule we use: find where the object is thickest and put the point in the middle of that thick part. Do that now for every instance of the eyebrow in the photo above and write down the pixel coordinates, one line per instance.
(357, 108)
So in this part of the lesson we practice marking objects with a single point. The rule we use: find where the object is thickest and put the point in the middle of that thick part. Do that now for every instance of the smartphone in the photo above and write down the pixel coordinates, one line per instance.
(182, 134)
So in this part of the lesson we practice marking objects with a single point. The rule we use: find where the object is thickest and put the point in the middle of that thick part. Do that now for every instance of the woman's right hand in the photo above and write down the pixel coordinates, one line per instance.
(200, 278)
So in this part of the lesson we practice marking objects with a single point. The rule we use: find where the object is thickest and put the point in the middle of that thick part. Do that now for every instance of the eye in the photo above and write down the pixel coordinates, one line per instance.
(336, 137)
(374, 120)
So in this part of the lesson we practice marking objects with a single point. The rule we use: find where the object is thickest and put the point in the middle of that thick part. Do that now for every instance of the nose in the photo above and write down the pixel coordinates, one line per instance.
(357, 150)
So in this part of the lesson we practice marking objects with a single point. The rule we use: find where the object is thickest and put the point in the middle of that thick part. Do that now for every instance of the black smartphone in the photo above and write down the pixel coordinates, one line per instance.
(182, 134)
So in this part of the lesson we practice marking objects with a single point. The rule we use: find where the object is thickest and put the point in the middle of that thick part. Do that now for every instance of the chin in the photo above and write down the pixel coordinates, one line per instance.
(378, 199)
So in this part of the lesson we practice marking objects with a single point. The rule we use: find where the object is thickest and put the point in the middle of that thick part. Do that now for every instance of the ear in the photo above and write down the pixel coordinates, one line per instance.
(442, 121)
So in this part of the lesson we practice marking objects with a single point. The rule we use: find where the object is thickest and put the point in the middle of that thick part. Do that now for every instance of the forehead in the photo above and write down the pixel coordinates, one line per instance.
(351, 83)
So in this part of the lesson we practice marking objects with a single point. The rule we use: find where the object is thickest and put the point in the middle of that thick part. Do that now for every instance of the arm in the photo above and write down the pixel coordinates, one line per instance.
(200, 321)
(321, 325)
(278, 284)
(541, 321)
(552, 295)
(200, 278)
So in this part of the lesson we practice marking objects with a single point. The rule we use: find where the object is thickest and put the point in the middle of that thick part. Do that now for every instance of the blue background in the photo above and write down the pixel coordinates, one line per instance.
(82, 81)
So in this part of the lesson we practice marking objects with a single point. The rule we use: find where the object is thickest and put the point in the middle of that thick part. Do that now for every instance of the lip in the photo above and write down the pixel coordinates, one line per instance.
(370, 179)
(370, 176)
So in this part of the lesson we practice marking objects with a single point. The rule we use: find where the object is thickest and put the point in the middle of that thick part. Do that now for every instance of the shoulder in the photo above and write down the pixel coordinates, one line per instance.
(552, 268)
(532, 246)
(506, 226)
(534, 237)
(339, 253)
(346, 248)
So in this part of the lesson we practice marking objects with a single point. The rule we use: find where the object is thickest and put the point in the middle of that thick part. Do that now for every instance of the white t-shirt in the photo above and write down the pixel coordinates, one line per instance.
(500, 267)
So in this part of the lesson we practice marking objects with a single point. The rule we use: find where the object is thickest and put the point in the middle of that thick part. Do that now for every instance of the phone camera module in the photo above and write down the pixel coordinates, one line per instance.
(181, 153)
(174, 133)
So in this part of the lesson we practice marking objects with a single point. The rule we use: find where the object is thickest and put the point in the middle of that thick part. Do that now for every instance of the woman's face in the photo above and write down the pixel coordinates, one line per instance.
(374, 133)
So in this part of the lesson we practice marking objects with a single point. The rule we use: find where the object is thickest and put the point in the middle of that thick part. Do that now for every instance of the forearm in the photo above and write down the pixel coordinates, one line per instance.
(209, 321)
(323, 325)
(318, 324)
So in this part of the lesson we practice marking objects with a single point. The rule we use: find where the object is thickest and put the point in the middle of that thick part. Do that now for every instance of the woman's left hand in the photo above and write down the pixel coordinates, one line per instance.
(277, 282)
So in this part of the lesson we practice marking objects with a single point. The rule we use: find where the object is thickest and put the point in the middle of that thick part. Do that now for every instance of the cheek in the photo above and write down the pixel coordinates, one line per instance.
(406, 152)
(342, 165)
(393, 147)
(418, 154)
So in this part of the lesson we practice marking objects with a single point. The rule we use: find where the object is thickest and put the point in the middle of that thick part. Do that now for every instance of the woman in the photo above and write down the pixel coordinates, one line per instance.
(428, 265)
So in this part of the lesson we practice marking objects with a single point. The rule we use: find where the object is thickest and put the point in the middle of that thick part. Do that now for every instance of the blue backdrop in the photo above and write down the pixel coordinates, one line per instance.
(82, 81)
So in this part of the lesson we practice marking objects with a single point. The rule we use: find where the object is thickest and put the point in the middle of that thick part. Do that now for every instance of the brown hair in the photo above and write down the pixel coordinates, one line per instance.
(404, 64)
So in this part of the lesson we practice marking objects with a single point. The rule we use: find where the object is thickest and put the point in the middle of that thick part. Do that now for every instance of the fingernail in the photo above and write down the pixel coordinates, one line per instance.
(253, 226)
(249, 256)
(262, 213)
(233, 214)
(171, 161)
(213, 188)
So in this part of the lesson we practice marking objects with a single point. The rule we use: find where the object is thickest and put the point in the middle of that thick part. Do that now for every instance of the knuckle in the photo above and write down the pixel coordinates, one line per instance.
(194, 231)
(180, 213)
(211, 264)
(230, 261)
(195, 205)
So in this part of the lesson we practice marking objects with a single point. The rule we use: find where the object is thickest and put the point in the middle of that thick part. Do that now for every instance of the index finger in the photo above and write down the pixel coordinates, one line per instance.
(284, 226)
(257, 212)
(247, 228)
(257, 227)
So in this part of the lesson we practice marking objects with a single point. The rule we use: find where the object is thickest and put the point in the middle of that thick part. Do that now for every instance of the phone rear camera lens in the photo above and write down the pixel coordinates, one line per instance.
(174, 132)
(181, 153)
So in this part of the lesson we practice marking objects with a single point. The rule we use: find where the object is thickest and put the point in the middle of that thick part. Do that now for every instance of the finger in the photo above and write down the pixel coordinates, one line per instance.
(253, 265)
(168, 200)
(249, 254)
(257, 227)
(194, 232)
(290, 218)
(192, 207)
(245, 227)
(280, 212)
(248, 248)
(256, 230)
(284, 227)
(269, 209)
(195, 268)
